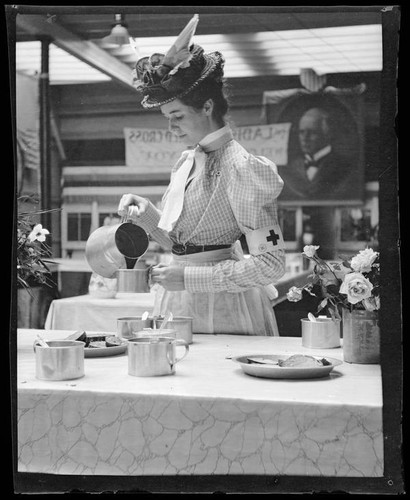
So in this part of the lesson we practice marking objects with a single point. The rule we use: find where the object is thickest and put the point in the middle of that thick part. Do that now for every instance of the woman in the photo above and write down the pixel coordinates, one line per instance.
(218, 192)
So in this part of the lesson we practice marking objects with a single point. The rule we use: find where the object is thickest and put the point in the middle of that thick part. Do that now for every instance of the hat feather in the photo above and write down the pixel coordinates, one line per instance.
(179, 54)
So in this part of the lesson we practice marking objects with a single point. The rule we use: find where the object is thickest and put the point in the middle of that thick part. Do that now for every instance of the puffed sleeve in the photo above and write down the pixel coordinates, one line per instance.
(252, 192)
(149, 222)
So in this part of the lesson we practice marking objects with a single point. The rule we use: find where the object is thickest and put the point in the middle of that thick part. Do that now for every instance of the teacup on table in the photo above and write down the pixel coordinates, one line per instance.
(154, 356)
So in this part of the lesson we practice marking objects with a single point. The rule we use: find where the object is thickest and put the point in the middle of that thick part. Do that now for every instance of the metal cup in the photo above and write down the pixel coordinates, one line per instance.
(133, 280)
(153, 332)
(154, 356)
(127, 327)
(324, 333)
(62, 360)
(182, 326)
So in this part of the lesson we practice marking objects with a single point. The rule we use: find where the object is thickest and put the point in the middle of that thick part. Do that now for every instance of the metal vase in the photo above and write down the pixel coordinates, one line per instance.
(361, 337)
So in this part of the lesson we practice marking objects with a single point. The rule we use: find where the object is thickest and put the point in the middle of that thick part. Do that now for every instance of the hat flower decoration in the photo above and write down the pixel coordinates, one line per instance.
(349, 284)
(163, 78)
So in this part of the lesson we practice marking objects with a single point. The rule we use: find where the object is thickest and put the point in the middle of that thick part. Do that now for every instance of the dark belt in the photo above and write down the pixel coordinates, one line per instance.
(178, 249)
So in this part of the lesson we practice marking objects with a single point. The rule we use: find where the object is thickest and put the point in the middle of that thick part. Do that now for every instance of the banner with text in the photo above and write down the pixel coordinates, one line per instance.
(159, 148)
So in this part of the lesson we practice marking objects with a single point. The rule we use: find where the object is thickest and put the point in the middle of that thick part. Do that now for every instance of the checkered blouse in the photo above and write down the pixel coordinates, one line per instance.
(235, 193)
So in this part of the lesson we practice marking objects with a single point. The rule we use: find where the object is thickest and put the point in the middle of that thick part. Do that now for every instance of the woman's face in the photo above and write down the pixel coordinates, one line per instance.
(186, 122)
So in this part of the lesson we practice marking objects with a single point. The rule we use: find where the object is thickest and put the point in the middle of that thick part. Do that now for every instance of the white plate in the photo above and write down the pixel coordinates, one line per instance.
(276, 371)
(96, 352)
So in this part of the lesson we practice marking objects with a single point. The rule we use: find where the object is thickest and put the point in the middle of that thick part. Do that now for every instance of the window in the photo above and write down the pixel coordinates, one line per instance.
(108, 219)
(356, 225)
(78, 226)
(95, 152)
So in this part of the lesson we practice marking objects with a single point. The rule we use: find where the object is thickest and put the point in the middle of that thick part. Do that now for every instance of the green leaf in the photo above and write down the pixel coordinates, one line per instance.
(322, 305)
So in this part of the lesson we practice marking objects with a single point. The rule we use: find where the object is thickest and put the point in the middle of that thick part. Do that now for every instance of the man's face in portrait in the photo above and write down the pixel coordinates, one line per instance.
(313, 132)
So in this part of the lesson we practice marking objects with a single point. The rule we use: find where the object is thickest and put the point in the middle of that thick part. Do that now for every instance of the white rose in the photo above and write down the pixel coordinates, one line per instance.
(294, 294)
(362, 262)
(310, 250)
(356, 287)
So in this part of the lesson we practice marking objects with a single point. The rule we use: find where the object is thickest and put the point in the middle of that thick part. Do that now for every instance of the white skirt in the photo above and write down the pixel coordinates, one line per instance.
(241, 313)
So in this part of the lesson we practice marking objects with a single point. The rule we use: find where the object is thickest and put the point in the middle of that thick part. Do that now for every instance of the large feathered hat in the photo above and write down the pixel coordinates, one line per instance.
(163, 78)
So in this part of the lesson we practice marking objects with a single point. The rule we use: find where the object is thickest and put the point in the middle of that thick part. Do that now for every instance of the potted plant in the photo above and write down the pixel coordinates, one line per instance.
(350, 291)
(33, 260)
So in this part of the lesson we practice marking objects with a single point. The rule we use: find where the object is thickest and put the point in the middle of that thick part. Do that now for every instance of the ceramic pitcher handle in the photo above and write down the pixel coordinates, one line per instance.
(181, 342)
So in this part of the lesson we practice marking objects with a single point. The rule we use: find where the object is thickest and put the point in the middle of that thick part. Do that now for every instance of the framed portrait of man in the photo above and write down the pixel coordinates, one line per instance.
(325, 163)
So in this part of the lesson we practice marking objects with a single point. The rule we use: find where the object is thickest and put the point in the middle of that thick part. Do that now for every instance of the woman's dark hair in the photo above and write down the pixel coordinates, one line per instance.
(210, 88)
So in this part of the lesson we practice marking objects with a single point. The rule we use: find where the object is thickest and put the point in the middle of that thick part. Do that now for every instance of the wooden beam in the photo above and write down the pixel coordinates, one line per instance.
(86, 51)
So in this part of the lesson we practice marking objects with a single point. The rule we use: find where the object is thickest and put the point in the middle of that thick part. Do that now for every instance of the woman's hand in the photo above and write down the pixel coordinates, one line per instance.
(170, 277)
(132, 200)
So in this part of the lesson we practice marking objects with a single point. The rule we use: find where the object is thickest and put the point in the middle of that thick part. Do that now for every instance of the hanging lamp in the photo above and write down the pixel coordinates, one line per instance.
(119, 34)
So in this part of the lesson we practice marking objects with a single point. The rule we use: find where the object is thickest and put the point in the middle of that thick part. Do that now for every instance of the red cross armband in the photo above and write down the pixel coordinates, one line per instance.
(265, 240)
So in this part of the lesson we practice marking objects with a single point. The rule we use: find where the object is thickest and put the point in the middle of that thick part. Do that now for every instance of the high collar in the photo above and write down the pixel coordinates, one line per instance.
(217, 139)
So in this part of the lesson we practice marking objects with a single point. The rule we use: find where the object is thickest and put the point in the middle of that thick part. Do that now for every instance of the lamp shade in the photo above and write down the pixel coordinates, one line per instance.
(119, 34)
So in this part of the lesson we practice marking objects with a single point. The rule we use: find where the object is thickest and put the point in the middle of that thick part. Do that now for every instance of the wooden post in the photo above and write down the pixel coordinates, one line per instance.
(45, 181)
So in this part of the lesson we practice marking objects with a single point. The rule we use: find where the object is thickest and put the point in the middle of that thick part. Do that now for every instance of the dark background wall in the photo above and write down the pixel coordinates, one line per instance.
(91, 118)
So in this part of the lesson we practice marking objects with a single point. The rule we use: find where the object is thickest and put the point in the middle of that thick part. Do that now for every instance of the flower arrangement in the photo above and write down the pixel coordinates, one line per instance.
(32, 251)
(350, 284)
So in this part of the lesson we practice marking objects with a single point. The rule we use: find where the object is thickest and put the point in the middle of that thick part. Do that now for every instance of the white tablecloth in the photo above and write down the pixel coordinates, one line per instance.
(90, 313)
(209, 418)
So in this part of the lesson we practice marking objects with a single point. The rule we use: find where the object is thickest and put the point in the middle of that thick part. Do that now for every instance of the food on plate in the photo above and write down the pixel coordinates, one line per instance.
(93, 339)
(113, 341)
(96, 344)
(96, 340)
(296, 360)
(262, 361)
(80, 335)
(302, 360)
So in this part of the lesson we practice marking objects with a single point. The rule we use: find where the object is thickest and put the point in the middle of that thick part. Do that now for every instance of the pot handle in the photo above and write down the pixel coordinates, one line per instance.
(132, 210)
(39, 341)
(126, 217)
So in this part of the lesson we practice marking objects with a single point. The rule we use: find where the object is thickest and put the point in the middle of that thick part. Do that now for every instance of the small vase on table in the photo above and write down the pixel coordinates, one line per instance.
(361, 336)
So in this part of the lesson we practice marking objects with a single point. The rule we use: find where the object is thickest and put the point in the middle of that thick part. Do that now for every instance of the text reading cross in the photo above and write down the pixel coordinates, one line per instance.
(273, 237)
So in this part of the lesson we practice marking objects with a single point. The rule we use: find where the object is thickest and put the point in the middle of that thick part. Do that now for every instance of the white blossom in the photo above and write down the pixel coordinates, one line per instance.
(38, 233)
